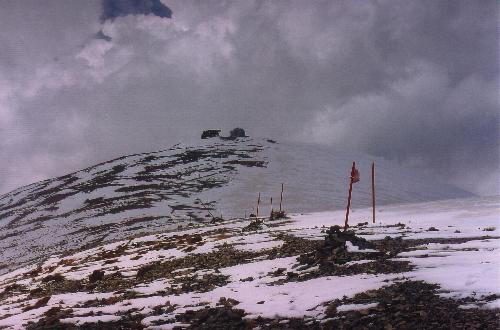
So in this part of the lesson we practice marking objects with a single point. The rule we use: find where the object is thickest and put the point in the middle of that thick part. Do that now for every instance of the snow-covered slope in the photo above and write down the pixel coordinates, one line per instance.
(421, 266)
(316, 179)
(149, 192)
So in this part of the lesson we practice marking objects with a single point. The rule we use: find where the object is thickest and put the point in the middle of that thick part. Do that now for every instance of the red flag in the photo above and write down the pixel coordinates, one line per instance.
(354, 175)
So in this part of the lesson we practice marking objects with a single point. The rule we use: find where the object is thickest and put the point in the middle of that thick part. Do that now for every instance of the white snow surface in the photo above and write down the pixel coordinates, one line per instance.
(461, 256)
(355, 307)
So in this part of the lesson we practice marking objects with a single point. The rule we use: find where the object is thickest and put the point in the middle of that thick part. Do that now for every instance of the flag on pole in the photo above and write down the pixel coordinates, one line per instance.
(354, 175)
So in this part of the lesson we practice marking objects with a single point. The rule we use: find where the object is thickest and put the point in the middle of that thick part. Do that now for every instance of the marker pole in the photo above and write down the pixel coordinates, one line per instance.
(349, 198)
(373, 190)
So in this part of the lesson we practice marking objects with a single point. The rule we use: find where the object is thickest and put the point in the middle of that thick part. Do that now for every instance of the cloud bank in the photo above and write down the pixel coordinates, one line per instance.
(415, 81)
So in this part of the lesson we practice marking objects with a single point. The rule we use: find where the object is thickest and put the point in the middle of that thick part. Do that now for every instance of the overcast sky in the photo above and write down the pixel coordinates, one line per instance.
(87, 81)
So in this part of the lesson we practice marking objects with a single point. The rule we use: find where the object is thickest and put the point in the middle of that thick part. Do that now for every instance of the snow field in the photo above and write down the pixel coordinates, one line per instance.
(468, 267)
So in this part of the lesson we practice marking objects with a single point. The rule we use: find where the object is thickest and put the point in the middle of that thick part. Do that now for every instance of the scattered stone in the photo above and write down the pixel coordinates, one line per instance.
(254, 225)
(96, 275)
(213, 318)
(194, 283)
(227, 302)
(391, 246)
(278, 272)
(409, 305)
(40, 302)
(12, 290)
(35, 292)
(277, 215)
(293, 246)
(55, 278)
(163, 309)
(432, 229)
(35, 272)
(192, 239)
(334, 249)
(141, 272)
(247, 163)
(52, 319)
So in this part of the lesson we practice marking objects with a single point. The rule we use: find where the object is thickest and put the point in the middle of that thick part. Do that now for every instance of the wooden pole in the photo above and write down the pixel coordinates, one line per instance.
(373, 190)
(281, 196)
(272, 207)
(258, 202)
(349, 198)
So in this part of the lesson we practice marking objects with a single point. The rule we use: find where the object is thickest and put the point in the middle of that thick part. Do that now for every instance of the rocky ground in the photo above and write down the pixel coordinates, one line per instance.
(288, 273)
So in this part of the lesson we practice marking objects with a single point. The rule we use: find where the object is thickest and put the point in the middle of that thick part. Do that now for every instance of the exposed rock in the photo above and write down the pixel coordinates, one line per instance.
(40, 302)
(55, 278)
(254, 225)
(213, 318)
(277, 215)
(206, 282)
(228, 302)
(334, 248)
(51, 319)
(247, 163)
(96, 275)
(409, 305)
(392, 246)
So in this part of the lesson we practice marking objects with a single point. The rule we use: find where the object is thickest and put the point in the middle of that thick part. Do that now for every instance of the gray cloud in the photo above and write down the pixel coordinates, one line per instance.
(101, 35)
(414, 81)
(112, 9)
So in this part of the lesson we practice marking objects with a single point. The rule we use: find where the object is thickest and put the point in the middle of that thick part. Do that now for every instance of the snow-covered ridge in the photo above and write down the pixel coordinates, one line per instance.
(145, 193)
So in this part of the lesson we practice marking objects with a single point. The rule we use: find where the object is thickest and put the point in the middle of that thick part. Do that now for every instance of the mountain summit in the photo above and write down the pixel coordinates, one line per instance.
(146, 193)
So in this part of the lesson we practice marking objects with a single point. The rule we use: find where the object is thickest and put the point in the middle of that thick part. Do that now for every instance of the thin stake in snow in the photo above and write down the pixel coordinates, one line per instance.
(208, 210)
(258, 202)
(272, 211)
(373, 190)
(281, 197)
(354, 178)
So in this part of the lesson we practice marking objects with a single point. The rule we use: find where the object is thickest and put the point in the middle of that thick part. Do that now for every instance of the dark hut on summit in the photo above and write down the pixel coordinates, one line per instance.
(236, 133)
(210, 133)
(233, 135)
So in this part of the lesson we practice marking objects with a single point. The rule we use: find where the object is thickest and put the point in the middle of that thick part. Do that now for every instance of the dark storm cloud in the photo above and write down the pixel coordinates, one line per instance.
(112, 9)
(414, 81)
